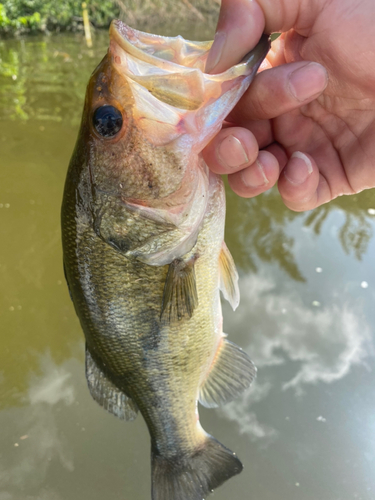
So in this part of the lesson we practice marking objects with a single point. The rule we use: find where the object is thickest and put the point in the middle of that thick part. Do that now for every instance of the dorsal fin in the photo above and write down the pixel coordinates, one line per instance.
(231, 373)
(229, 277)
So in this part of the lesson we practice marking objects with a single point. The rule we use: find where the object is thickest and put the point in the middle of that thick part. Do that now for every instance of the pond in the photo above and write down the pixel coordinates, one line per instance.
(305, 430)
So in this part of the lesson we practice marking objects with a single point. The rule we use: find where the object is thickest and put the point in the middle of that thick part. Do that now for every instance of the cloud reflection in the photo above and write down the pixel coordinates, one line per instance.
(53, 386)
(325, 342)
(37, 440)
(249, 424)
(320, 344)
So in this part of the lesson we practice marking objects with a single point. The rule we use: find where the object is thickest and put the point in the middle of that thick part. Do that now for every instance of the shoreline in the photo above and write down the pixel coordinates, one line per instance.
(141, 14)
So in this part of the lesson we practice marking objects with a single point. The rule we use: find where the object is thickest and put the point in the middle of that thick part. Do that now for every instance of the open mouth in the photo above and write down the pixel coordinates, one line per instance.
(159, 50)
(172, 68)
(172, 94)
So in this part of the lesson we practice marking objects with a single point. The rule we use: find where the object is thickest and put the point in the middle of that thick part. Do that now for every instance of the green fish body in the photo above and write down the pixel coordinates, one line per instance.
(144, 252)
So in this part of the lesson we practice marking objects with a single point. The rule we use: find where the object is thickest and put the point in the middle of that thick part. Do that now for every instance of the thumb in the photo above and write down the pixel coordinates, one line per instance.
(241, 23)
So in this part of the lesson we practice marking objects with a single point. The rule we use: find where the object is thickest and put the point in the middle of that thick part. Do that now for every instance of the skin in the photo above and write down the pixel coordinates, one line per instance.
(315, 98)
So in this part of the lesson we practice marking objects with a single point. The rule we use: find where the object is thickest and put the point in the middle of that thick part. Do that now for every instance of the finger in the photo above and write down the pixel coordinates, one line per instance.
(239, 28)
(262, 130)
(276, 56)
(301, 186)
(283, 15)
(279, 90)
(241, 22)
(293, 46)
(232, 149)
(279, 153)
(256, 178)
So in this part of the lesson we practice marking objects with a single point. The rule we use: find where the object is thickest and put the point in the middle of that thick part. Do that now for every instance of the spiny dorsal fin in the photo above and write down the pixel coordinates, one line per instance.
(180, 296)
(106, 393)
(228, 277)
(232, 373)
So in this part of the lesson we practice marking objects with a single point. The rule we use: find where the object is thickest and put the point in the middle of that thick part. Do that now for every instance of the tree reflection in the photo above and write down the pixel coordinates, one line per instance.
(256, 228)
(45, 78)
(356, 232)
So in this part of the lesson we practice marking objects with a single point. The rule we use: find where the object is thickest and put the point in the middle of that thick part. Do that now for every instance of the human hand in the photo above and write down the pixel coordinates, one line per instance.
(311, 131)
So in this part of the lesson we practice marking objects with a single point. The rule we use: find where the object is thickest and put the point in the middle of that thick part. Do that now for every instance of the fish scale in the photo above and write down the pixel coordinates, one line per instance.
(144, 252)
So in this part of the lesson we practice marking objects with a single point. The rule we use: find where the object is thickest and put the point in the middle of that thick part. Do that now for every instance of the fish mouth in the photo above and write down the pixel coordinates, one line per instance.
(172, 68)
(172, 95)
(165, 52)
(173, 52)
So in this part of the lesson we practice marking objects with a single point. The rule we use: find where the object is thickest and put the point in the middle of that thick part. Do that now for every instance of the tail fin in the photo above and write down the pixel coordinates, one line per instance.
(194, 476)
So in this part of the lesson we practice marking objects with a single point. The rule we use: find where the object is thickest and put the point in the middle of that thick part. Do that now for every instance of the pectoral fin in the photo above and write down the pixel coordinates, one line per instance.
(229, 277)
(232, 372)
(180, 296)
(106, 393)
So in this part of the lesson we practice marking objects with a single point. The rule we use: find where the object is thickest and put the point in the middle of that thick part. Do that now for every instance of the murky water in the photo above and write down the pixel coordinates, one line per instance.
(305, 431)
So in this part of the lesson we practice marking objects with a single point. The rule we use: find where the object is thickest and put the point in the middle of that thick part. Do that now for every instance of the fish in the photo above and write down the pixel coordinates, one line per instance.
(144, 254)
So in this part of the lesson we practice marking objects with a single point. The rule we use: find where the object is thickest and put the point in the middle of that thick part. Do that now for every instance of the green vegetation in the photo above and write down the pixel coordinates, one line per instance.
(19, 16)
(30, 16)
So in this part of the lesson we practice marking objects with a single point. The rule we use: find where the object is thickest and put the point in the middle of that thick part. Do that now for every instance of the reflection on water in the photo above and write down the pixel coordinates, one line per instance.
(263, 235)
(36, 439)
(41, 81)
(305, 430)
(52, 387)
(248, 423)
(321, 344)
(323, 341)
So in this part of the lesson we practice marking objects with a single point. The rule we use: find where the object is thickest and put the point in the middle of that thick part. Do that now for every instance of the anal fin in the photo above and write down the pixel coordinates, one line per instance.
(232, 373)
(106, 393)
(228, 277)
(180, 296)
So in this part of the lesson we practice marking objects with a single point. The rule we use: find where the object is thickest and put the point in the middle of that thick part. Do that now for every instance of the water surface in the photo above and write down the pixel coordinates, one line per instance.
(306, 429)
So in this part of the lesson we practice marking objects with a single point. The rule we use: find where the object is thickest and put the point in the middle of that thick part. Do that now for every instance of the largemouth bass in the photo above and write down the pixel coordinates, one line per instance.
(144, 252)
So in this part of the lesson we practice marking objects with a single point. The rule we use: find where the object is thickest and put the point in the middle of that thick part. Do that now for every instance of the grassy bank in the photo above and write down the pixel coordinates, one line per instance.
(32, 16)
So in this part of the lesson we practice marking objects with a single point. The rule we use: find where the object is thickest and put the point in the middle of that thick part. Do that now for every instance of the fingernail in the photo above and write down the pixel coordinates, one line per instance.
(215, 51)
(299, 168)
(231, 152)
(254, 176)
(308, 81)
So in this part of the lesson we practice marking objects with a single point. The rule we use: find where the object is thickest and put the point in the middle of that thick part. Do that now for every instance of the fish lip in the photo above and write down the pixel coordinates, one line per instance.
(258, 53)
(143, 46)
(131, 40)
(248, 65)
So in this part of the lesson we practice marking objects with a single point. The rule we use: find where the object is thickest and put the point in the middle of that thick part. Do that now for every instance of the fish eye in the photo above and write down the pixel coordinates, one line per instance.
(107, 121)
